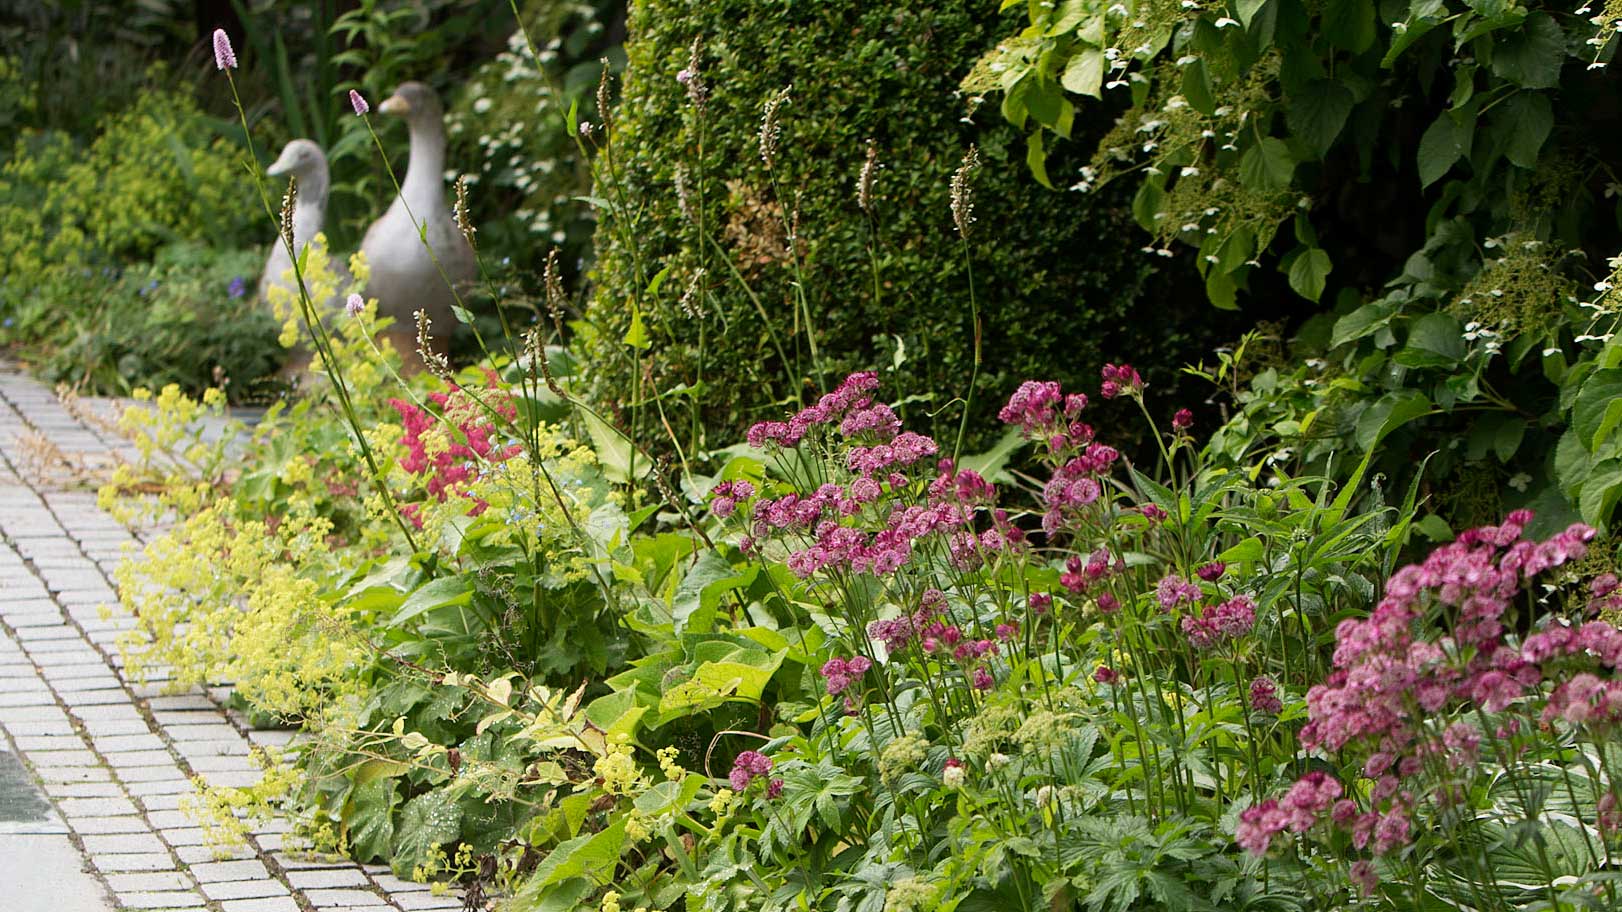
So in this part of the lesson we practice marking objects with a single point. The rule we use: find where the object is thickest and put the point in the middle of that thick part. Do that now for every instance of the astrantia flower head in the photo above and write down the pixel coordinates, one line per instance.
(224, 56)
(749, 766)
(358, 102)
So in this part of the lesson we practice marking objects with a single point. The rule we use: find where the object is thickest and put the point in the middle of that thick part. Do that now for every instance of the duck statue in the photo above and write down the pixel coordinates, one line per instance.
(405, 276)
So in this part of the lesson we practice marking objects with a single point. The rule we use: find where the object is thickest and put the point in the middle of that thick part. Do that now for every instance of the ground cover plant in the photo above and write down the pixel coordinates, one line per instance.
(849, 658)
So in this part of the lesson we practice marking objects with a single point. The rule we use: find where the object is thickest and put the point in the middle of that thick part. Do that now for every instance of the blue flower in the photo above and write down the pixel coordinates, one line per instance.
(237, 287)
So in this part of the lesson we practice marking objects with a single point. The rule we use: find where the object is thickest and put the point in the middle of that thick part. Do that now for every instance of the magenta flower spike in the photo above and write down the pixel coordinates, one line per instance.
(358, 102)
(223, 55)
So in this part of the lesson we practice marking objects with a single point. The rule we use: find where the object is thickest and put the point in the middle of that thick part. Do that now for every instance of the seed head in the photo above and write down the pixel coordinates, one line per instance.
(432, 360)
(555, 297)
(224, 56)
(684, 195)
(692, 300)
(864, 183)
(463, 221)
(289, 201)
(963, 191)
(602, 96)
(358, 102)
(771, 130)
(692, 77)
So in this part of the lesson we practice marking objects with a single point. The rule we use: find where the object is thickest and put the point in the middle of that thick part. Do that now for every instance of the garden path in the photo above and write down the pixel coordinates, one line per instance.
(90, 818)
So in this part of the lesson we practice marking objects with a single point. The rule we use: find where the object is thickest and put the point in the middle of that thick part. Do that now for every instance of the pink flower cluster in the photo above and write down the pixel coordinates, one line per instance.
(841, 673)
(1173, 590)
(1120, 380)
(452, 467)
(1225, 622)
(1298, 811)
(906, 449)
(1395, 673)
(852, 395)
(724, 497)
(1264, 696)
(749, 766)
(1043, 412)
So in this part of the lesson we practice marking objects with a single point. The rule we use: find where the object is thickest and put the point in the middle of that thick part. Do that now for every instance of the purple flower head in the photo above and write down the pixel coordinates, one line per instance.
(982, 679)
(774, 789)
(237, 288)
(1173, 590)
(685, 76)
(355, 305)
(1106, 675)
(749, 766)
(358, 102)
(1040, 602)
(1211, 572)
(224, 56)
(841, 673)
(1264, 696)
(1183, 420)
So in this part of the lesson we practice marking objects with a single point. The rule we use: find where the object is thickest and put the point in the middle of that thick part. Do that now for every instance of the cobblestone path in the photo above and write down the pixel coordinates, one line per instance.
(114, 759)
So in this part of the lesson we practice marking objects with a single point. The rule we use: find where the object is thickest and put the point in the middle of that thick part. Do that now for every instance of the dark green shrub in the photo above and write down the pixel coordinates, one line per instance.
(188, 315)
(1060, 278)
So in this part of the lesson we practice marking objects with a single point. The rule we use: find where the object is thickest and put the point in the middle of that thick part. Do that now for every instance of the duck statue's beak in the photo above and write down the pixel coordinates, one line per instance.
(396, 105)
(281, 165)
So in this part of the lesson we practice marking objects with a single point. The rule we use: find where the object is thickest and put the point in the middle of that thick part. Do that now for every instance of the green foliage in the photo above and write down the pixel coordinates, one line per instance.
(508, 133)
(188, 318)
(1451, 278)
(730, 321)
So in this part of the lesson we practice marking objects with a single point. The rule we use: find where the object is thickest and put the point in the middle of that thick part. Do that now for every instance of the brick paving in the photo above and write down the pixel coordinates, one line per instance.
(114, 758)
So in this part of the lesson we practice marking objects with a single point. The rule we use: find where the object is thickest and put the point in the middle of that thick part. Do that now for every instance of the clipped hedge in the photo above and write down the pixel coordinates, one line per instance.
(1061, 281)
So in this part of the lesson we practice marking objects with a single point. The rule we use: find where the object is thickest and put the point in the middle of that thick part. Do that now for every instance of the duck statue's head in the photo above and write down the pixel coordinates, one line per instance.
(415, 102)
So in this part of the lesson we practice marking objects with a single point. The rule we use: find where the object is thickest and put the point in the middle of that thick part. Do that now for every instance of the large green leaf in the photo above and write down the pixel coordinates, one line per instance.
(370, 819)
(436, 593)
(1434, 340)
(592, 856)
(1441, 146)
(1598, 408)
(1532, 55)
(1268, 165)
(701, 589)
(1528, 119)
(1309, 271)
(429, 820)
(1317, 113)
(1392, 411)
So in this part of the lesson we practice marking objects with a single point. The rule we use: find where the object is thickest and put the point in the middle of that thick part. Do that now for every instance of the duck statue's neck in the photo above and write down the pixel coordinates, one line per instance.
(424, 185)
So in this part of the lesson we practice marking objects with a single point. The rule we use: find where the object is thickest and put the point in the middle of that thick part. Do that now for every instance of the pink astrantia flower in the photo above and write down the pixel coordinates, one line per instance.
(1264, 696)
(841, 673)
(749, 766)
(358, 102)
(224, 56)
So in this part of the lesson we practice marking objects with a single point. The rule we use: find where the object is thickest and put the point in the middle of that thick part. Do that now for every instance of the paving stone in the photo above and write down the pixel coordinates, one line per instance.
(413, 902)
(327, 879)
(322, 899)
(101, 697)
(230, 870)
(243, 889)
(151, 881)
(206, 854)
(263, 904)
(184, 836)
(394, 884)
(96, 807)
(165, 820)
(103, 825)
(120, 760)
(161, 902)
(123, 844)
(115, 743)
(100, 727)
(167, 772)
(134, 861)
(66, 774)
(28, 743)
(60, 758)
(83, 790)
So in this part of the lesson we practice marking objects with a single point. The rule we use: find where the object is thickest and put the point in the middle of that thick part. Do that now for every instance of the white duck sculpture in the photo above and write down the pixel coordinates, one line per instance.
(405, 277)
(307, 164)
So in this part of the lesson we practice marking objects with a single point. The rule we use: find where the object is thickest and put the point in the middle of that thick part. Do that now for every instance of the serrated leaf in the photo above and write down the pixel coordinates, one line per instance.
(369, 817)
(1391, 411)
(436, 593)
(429, 820)
(1349, 24)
